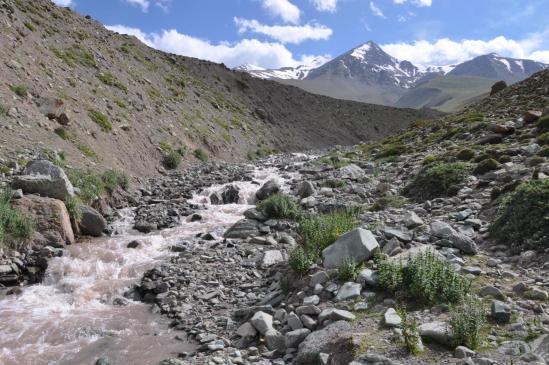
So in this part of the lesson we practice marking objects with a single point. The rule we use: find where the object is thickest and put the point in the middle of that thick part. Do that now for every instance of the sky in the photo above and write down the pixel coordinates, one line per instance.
(284, 33)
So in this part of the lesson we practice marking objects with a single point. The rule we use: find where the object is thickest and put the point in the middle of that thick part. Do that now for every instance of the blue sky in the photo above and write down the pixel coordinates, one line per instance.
(276, 33)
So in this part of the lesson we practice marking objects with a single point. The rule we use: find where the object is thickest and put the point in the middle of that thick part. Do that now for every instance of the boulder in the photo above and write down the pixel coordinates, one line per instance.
(305, 189)
(333, 314)
(531, 116)
(92, 222)
(275, 340)
(269, 188)
(348, 290)
(244, 228)
(351, 171)
(500, 311)
(51, 218)
(404, 257)
(295, 337)
(271, 257)
(51, 107)
(228, 195)
(262, 322)
(367, 277)
(412, 220)
(437, 331)
(456, 239)
(497, 87)
(44, 178)
(391, 318)
(358, 244)
(322, 341)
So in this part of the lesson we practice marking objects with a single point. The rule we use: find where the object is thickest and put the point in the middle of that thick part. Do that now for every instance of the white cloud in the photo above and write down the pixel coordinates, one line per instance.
(285, 33)
(63, 2)
(446, 51)
(265, 54)
(325, 5)
(375, 10)
(143, 4)
(421, 3)
(284, 9)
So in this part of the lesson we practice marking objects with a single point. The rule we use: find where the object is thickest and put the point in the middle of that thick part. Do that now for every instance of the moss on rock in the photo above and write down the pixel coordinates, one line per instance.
(437, 180)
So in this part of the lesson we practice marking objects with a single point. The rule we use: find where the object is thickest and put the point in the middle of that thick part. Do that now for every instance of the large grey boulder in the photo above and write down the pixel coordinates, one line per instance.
(230, 194)
(501, 311)
(358, 244)
(269, 188)
(262, 322)
(244, 228)
(438, 332)
(322, 341)
(294, 338)
(44, 178)
(348, 290)
(92, 222)
(351, 171)
(458, 240)
(305, 189)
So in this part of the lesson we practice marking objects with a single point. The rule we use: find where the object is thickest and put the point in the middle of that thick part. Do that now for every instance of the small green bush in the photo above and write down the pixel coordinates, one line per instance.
(393, 201)
(437, 180)
(465, 154)
(466, 322)
(535, 161)
(19, 90)
(101, 119)
(319, 232)
(543, 139)
(113, 179)
(172, 160)
(86, 150)
(543, 124)
(280, 206)
(392, 149)
(522, 220)
(108, 79)
(544, 152)
(75, 55)
(63, 133)
(504, 159)
(410, 333)
(73, 207)
(300, 261)
(91, 186)
(425, 278)
(201, 154)
(429, 159)
(486, 166)
(182, 150)
(348, 270)
(13, 224)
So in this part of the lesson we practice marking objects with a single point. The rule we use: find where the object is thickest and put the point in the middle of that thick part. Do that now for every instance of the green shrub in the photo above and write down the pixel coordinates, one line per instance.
(429, 159)
(280, 206)
(300, 261)
(544, 152)
(425, 278)
(410, 333)
(523, 218)
(73, 207)
(504, 159)
(485, 166)
(172, 160)
(13, 224)
(391, 149)
(30, 26)
(465, 154)
(393, 201)
(3, 111)
(182, 150)
(108, 79)
(201, 154)
(543, 139)
(543, 124)
(75, 55)
(113, 179)
(535, 161)
(349, 270)
(19, 90)
(472, 117)
(91, 186)
(321, 231)
(63, 133)
(437, 180)
(86, 150)
(466, 322)
(101, 119)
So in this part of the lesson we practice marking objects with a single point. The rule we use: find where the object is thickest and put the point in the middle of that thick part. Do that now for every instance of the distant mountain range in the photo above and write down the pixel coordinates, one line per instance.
(368, 74)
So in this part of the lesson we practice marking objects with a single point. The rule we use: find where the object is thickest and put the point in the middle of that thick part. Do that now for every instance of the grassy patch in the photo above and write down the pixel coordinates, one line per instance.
(200, 154)
(75, 55)
(437, 180)
(87, 150)
(108, 79)
(20, 90)
(30, 27)
(13, 224)
(466, 322)
(391, 149)
(349, 270)
(425, 278)
(280, 206)
(62, 133)
(101, 119)
(73, 207)
(393, 201)
(485, 166)
(3, 111)
(113, 179)
(465, 154)
(172, 160)
(523, 218)
(543, 124)
(91, 185)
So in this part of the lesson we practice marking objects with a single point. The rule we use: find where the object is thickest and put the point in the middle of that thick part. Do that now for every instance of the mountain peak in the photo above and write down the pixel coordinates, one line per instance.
(363, 51)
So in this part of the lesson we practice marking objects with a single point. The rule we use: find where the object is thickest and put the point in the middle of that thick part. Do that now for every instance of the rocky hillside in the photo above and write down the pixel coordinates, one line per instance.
(102, 98)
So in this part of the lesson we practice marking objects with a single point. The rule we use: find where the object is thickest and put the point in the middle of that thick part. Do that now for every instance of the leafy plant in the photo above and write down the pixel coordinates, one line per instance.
(101, 119)
(280, 206)
(19, 90)
(182, 150)
(300, 260)
(388, 201)
(73, 207)
(392, 149)
(200, 154)
(13, 224)
(523, 217)
(543, 139)
(466, 322)
(348, 270)
(113, 179)
(410, 333)
(63, 133)
(172, 160)
(91, 185)
(465, 154)
(543, 124)
(437, 180)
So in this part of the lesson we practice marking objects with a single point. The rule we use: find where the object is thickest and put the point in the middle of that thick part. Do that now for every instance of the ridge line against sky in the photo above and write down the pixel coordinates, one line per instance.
(284, 33)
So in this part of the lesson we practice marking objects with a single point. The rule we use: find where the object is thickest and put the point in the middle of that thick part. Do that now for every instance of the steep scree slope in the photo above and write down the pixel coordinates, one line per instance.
(125, 100)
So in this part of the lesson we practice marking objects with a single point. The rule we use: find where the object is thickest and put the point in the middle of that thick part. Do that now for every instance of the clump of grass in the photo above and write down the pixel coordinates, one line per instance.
(335, 161)
(280, 206)
(91, 185)
(20, 90)
(466, 322)
(300, 261)
(425, 278)
(172, 160)
(485, 166)
(200, 154)
(393, 201)
(75, 55)
(334, 183)
(3, 111)
(113, 179)
(465, 154)
(543, 139)
(410, 333)
(13, 224)
(430, 159)
(30, 26)
(73, 207)
(121, 103)
(62, 133)
(319, 232)
(437, 180)
(535, 161)
(108, 79)
(543, 124)
(349, 269)
(101, 119)
(544, 152)
(392, 149)
(182, 150)
(86, 150)
(522, 221)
